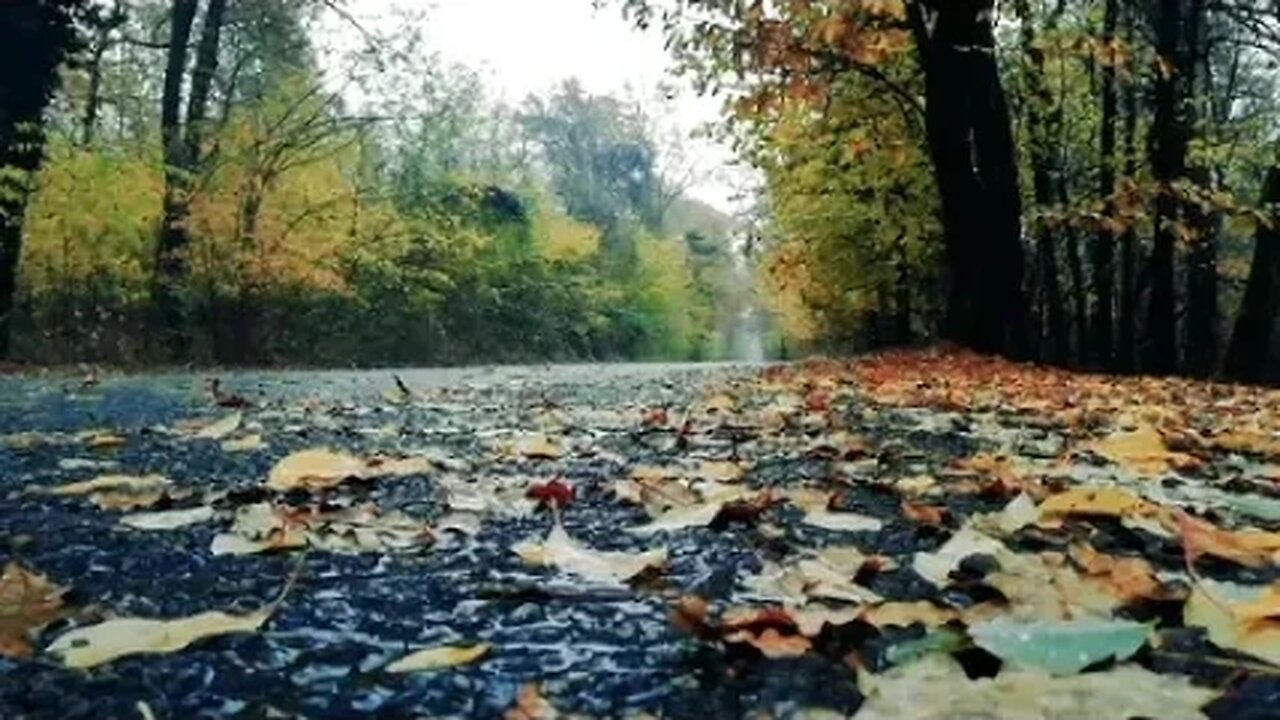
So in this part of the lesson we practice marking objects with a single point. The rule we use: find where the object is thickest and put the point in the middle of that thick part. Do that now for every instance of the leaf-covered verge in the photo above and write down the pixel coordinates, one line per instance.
(820, 540)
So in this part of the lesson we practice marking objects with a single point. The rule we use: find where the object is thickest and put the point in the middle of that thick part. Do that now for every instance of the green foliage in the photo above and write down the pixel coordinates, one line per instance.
(442, 231)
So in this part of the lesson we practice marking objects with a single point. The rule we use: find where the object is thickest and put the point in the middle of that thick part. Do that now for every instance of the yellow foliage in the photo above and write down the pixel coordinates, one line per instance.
(562, 238)
(93, 215)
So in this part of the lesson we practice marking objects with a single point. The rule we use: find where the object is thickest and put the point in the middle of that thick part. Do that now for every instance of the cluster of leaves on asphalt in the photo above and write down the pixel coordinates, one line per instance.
(1024, 542)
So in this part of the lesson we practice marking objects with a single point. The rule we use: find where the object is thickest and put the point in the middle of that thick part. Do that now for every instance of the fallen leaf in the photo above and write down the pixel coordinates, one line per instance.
(709, 506)
(248, 443)
(314, 470)
(1128, 579)
(102, 643)
(1237, 617)
(772, 644)
(168, 519)
(810, 578)
(102, 440)
(1143, 450)
(1060, 647)
(436, 658)
(1250, 548)
(610, 568)
(933, 515)
(936, 567)
(531, 705)
(720, 471)
(538, 447)
(220, 429)
(113, 483)
(262, 527)
(554, 493)
(1103, 501)
(937, 688)
(906, 614)
(28, 602)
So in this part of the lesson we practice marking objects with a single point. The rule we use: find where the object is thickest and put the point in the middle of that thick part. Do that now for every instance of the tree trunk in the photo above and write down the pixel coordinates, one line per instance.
(182, 161)
(971, 145)
(1168, 163)
(1255, 343)
(1101, 322)
(35, 37)
(1127, 328)
(1200, 346)
(1054, 343)
(902, 298)
(170, 265)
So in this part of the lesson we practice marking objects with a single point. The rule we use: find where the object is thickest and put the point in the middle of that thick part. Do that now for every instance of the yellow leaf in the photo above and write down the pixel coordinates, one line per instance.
(436, 658)
(98, 644)
(1105, 501)
(1247, 623)
(314, 469)
(114, 483)
(1142, 449)
(539, 447)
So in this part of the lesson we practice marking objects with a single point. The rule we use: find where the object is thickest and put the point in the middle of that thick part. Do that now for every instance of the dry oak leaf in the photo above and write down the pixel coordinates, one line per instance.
(1128, 579)
(771, 643)
(531, 705)
(1250, 548)
(28, 602)
(906, 614)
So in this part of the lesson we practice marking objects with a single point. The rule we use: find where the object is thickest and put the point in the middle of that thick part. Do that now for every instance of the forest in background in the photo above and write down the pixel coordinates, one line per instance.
(1089, 183)
(211, 184)
(1086, 183)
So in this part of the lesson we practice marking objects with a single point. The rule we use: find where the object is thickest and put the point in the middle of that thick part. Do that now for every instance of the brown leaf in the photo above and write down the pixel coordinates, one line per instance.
(28, 602)
(531, 705)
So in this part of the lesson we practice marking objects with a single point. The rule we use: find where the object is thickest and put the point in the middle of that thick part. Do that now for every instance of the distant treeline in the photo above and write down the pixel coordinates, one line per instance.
(205, 189)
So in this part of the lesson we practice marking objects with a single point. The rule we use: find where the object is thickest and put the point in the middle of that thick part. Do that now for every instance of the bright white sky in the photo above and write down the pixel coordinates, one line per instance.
(528, 46)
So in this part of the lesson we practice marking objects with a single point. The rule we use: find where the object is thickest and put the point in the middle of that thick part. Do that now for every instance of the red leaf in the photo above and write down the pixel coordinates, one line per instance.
(553, 492)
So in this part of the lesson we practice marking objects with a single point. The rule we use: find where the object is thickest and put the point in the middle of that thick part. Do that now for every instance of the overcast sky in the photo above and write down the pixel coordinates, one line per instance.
(528, 46)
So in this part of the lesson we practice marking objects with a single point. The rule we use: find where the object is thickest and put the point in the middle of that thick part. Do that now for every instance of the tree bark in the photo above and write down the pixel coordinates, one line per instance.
(971, 145)
(1255, 342)
(1101, 322)
(182, 161)
(1127, 328)
(1168, 163)
(35, 37)
(1053, 339)
(1200, 346)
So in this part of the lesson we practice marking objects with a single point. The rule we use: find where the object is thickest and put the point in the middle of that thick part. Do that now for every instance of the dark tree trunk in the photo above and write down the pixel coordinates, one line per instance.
(1168, 163)
(971, 145)
(182, 161)
(93, 99)
(1254, 352)
(1201, 340)
(1103, 350)
(1042, 121)
(35, 37)
(170, 265)
(902, 298)
(1127, 328)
